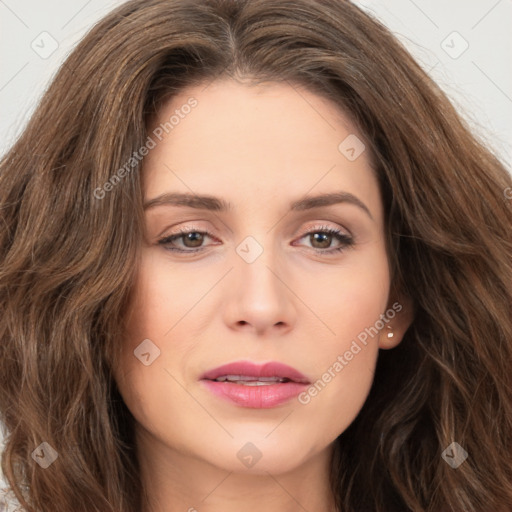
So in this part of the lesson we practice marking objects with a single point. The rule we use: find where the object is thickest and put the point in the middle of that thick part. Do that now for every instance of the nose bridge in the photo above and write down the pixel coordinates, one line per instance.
(259, 296)
(258, 261)
(256, 224)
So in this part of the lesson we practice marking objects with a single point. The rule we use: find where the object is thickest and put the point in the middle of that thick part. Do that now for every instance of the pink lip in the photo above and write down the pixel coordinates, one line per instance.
(258, 397)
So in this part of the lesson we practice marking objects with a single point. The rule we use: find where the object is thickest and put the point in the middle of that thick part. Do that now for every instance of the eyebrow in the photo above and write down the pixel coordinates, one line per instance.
(216, 204)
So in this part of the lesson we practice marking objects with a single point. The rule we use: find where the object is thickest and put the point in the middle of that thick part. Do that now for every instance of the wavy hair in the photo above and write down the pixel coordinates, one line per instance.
(68, 258)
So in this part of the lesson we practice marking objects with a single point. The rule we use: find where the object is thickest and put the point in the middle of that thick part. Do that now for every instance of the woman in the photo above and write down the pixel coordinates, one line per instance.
(338, 336)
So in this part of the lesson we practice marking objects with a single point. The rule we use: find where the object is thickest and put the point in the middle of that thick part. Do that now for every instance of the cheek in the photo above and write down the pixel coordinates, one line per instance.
(334, 400)
(163, 294)
(349, 301)
(345, 367)
(346, 298)
(161, 298)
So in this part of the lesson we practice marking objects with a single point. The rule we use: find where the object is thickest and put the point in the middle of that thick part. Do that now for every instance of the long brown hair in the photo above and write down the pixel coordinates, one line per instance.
(69, 243)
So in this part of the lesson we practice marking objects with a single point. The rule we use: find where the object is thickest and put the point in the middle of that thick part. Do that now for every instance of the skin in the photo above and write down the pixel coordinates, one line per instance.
(260, 148)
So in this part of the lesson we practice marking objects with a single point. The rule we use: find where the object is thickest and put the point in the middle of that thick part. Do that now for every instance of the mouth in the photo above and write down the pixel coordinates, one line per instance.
(253, 385)
(246, 380)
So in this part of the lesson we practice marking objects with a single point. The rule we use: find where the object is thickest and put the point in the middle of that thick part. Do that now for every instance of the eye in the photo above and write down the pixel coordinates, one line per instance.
(324, 235)
(192, 240)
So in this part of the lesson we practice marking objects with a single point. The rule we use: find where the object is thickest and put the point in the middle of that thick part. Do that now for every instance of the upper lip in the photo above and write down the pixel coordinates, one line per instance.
(250, 369)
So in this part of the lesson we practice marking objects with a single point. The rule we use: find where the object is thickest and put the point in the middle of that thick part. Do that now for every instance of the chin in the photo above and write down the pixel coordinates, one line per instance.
(258, 455)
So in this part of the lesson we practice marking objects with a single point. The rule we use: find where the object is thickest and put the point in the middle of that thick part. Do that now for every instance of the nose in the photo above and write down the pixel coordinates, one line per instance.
(260, 296)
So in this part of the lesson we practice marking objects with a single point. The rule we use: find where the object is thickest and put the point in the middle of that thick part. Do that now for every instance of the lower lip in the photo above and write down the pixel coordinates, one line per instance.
(257, 397)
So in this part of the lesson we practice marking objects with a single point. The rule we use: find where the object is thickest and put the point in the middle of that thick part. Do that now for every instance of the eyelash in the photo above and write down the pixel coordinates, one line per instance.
(346, 240)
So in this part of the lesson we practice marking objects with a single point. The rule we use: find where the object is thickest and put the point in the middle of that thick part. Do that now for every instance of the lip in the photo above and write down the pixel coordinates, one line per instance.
(257, 397)
(250, 369)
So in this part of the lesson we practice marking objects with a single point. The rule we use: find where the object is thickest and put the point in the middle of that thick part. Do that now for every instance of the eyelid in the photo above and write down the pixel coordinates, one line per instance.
(320, 225)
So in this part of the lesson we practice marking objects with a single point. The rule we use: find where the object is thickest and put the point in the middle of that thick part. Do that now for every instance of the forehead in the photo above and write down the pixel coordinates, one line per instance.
(256, 140)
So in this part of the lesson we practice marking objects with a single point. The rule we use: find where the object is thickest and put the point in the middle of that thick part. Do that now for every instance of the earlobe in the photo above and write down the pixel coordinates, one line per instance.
(387, 338)
(393, 332)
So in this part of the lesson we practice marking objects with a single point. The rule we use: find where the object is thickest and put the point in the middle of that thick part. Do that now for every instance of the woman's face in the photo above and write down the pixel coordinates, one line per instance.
(261, 281)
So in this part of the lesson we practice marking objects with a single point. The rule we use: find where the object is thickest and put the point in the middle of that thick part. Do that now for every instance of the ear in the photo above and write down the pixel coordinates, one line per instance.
(397, 324)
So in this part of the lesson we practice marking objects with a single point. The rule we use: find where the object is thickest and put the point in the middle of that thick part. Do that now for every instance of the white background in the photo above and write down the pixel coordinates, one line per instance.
(479, 80)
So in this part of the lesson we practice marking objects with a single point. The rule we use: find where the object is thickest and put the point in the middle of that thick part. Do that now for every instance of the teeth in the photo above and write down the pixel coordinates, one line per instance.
(256, 383)
(250, 381)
